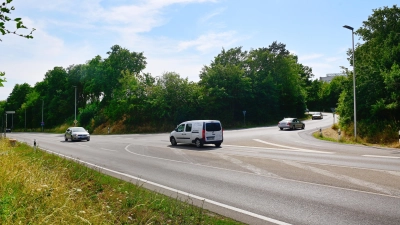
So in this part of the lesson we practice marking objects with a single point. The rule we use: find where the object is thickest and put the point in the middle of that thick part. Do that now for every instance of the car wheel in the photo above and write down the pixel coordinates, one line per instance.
(173, 141)
(302, 127)
(199, 143)
(66, 139)
(88, 139)
(280, 128)
(312, 118)
(293, 127)
(218, 145)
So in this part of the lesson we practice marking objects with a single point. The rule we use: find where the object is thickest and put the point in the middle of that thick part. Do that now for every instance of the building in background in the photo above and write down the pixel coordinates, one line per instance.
(330, 76)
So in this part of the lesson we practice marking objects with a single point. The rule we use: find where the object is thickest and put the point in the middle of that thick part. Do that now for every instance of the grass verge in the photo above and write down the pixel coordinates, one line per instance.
(40, 188)
(331, 134)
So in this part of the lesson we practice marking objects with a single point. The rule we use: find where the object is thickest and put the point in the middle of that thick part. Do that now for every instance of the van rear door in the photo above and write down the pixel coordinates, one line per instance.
(213, 131)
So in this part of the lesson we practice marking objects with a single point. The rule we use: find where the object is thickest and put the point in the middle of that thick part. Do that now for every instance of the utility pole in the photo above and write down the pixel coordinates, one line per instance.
(75, 121)
(42, 114)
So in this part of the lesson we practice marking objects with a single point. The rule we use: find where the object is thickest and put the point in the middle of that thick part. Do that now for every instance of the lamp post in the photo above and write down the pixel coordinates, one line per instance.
(75, 107)
(354, 83)
(42, 123)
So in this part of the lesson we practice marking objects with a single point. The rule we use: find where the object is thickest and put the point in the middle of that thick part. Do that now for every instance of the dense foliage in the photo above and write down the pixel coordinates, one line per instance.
(267, 83)
(377, 63)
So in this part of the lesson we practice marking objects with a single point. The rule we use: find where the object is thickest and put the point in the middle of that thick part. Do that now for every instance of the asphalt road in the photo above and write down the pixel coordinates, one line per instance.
(258, 176)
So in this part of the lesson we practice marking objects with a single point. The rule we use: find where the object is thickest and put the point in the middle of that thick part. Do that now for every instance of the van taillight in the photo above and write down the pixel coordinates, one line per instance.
(203, 134)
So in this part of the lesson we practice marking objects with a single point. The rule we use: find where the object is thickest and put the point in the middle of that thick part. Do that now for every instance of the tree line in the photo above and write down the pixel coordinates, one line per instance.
(268, 83)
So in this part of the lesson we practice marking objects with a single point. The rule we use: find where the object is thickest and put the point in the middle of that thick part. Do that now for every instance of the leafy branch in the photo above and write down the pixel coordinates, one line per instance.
(4, 18)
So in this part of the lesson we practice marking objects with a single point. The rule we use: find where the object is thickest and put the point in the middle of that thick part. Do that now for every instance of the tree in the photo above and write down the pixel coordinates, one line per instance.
(377, 60)
(119, 59)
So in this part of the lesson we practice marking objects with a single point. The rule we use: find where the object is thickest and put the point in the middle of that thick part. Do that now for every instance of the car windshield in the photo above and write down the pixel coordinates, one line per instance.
(78, 129)
(288, 119)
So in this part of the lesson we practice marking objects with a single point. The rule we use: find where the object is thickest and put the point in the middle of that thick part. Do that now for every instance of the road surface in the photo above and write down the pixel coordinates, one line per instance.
(257, 176)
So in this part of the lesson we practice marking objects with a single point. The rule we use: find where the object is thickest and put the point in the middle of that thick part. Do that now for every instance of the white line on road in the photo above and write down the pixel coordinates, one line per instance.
(302, 142)
(261, 217)
(247, 166)
(84, 145)
(381, 156)
(292, 148)
(373, 186)
(108, 150)
(179, 152)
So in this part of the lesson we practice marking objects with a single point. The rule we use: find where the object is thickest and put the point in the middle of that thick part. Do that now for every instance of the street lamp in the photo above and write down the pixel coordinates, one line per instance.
(354, 83)
(75, 107)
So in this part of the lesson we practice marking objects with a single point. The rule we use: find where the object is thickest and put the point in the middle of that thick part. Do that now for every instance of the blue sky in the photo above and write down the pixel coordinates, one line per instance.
(178, 35)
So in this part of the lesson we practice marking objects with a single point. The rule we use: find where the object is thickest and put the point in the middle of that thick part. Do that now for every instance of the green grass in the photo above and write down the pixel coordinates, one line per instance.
(41, 188)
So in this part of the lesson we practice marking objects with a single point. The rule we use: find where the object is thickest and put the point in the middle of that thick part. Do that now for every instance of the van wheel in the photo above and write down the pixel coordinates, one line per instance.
(280, 128)
(218, 145)
(199, 143)
(173, 141)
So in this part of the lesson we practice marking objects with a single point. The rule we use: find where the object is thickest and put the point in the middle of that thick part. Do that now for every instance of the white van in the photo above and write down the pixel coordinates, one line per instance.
(198, 132)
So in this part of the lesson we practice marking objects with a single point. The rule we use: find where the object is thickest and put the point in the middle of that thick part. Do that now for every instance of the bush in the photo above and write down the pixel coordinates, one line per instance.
(86, 114)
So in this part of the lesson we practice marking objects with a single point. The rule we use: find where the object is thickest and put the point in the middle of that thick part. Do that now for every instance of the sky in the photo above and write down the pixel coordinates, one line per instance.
(179, 36)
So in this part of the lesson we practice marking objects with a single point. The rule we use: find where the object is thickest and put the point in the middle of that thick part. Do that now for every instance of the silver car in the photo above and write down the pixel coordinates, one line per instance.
(76, 134)
(291, 123)
(317, 115)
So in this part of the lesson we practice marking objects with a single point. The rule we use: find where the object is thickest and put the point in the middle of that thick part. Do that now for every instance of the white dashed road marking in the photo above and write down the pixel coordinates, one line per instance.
(380, 156)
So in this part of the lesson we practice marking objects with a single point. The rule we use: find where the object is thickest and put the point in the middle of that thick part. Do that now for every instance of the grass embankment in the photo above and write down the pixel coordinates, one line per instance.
(41, 188)
(331, 134)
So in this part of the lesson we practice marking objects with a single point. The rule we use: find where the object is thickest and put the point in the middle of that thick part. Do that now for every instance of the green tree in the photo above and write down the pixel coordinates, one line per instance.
(119, 59)
(225, 86)
(376, 67)
(172, 99)
(16, 99)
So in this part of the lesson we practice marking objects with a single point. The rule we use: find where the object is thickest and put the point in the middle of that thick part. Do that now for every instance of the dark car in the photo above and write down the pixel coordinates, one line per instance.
(317, 115)
(8, 130)
(291, 123)
(76, 134)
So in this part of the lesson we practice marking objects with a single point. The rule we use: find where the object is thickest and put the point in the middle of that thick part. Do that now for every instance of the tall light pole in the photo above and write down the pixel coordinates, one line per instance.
(42, 123)
(75, 107)
(354, 83)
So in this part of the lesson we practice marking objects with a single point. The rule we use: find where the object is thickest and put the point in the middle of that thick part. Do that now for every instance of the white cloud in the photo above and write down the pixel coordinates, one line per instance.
(310, 57)
(210, 41)
(209, 16)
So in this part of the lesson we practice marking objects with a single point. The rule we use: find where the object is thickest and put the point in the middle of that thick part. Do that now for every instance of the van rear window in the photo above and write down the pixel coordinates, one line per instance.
(213, 126)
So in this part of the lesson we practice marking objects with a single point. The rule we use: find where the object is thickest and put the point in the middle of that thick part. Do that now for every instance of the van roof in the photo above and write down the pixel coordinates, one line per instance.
(202, 121)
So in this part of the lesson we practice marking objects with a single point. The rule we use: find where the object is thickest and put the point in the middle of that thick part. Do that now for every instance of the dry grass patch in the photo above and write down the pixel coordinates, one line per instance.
(331, 134)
